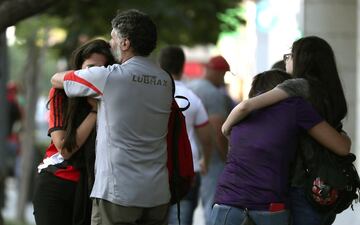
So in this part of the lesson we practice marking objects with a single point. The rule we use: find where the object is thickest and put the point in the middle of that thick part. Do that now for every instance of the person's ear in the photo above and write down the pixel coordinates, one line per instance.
(124, 44)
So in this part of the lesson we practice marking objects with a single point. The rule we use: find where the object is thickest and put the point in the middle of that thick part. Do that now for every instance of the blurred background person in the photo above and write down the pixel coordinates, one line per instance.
(218, 105)
(12, 145)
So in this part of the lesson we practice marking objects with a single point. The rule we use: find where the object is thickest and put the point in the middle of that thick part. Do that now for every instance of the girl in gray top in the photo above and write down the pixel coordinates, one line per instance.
(311, 59)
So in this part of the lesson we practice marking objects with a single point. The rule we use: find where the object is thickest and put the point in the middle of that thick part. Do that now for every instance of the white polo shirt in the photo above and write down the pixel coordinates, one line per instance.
(195, 116)
(135, 100)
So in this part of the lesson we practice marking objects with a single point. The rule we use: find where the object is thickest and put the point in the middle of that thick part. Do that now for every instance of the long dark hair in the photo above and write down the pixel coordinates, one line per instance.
(314, 60)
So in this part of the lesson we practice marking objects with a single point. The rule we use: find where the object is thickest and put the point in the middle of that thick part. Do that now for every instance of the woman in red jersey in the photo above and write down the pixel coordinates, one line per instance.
(66, 174)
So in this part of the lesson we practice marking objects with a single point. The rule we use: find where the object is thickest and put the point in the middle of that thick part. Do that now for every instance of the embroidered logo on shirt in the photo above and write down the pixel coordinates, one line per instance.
(148, 79)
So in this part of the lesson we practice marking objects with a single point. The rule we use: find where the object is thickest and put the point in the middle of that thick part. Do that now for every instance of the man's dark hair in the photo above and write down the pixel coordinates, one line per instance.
(138, 28)
(172, 59)
(266, 81)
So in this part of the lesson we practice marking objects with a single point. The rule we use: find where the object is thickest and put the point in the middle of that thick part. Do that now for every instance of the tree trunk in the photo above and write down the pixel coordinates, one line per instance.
(32, 74)
(12, 11)
(3, 112)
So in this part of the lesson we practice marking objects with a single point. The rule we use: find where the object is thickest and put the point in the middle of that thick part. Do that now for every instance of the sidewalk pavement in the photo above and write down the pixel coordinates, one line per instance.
(348, 217)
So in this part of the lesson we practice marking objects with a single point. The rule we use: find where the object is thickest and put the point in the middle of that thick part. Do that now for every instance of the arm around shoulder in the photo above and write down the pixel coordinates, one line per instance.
(57, 80)
(245, 107)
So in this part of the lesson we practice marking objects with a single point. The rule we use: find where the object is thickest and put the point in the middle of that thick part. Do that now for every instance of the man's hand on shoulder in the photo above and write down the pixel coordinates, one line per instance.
(57, 80)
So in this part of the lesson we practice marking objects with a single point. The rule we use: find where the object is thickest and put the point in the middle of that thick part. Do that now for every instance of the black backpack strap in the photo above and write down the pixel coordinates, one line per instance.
(172, 81)
(178, 96)
(184, 98)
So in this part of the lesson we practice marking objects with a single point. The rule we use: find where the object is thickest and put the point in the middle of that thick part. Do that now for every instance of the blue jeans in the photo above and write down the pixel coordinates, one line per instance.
(228, 215)
(303, 213)
(187, 205)
(209, 183)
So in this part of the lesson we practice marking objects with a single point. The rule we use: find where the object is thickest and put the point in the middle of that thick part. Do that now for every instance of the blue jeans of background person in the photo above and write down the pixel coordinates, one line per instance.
(187, 205)
(303, 213)
(229, 215)
(208, 185)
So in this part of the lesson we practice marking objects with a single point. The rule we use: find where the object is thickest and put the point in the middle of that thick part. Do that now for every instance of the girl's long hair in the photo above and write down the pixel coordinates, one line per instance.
(314, 60)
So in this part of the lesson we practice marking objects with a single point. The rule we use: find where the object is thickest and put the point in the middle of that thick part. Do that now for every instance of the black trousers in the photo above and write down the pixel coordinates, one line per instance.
(53, 200)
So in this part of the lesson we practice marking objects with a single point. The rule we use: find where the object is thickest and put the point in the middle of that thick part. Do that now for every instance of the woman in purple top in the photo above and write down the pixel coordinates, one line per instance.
(256, 175)
(312, 63)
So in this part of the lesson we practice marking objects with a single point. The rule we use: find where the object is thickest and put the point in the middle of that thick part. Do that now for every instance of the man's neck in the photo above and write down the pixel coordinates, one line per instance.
(211, 80)
(126, 56)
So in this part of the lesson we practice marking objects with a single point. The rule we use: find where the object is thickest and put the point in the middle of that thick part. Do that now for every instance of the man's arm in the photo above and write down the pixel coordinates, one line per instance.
(221, 141)
(57, 80)
(206, 141)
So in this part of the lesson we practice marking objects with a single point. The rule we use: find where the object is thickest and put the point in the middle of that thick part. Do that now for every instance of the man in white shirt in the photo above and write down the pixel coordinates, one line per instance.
(172, 60)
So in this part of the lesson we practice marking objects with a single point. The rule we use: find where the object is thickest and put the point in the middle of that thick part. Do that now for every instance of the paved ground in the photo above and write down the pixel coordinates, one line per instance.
(348, 217)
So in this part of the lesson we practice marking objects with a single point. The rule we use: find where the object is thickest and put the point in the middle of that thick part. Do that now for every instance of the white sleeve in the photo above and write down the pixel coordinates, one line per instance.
(87, 82)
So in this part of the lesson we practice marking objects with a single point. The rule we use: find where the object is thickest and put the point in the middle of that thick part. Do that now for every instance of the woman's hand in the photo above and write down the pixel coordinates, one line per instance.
(93, 103)
(65, 154)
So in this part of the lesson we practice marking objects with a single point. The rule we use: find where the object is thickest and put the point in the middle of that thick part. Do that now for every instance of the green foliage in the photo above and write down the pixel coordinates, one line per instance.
(231, 19)
(17, 54)
(186, 22)
(35, 26)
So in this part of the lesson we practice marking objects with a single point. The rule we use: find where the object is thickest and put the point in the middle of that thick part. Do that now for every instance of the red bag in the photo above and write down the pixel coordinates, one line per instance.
(180, 161)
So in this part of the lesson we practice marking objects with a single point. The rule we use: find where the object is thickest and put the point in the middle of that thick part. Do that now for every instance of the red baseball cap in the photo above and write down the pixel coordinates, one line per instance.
(218, 63)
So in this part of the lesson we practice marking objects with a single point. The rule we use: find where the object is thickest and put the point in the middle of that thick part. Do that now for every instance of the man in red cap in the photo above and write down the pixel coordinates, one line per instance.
(216, 69)
(218, 104)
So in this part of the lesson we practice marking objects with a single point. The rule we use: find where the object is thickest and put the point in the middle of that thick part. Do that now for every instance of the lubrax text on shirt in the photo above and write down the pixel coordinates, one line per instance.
(148, 79)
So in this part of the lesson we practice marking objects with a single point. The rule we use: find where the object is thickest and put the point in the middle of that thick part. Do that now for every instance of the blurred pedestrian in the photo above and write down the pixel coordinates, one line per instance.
(63, 187)
(172, 60)
(15, 116)
(131, 178)
(12, 144)
(218, 105)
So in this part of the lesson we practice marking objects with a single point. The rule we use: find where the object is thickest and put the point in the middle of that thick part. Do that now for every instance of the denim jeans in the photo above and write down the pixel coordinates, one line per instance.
(187, 205)
(208, 185)
(228, 215)
(303, 213)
